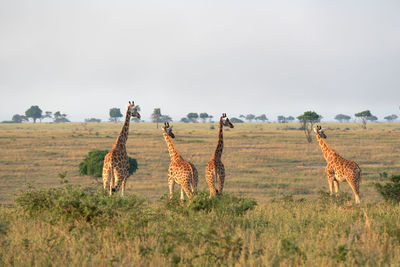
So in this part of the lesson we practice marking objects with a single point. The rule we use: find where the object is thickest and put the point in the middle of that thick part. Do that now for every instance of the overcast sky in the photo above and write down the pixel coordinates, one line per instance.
(262, 57)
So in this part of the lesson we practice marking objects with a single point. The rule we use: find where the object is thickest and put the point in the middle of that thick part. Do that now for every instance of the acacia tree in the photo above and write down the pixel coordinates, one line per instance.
(290, 118)
(364, 116)
(115, 114)
(250, 117)
(391, 117)
(34, 112)
(342, 117)
(19, 118)
(281, 119)
(192, 116)
(262, 118)
(155, 116)
(203, 116)
(307, 121)
(58, 117)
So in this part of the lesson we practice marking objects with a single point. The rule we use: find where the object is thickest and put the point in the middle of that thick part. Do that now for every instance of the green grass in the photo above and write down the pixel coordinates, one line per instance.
(74, 226)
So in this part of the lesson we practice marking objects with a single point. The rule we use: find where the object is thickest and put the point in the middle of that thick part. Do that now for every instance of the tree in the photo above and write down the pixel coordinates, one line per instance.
(34, 112)
(58, 117)
(364, 115)
(342, 117)
(307, 121)
(165, 118)
(155, 116)
(262, 118)
(192, 116)
(290, 118)
(391, 117)
(115, 114)
(19, 118)
(48, 114)
(281, 119)
(204, 116)
(92, 120)
(185, 120)
(372, 118)
(250, 117)
(236, 120)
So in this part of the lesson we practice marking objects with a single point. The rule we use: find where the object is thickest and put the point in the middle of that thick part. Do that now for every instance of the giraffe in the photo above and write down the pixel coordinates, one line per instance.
(180, 171)
(215, 170)
(339, 169)
(116, 162)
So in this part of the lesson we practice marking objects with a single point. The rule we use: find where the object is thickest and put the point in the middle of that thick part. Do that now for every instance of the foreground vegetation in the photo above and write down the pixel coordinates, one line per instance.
(74, 226)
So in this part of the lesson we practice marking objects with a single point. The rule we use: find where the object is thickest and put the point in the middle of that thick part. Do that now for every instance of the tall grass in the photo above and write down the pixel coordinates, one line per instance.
(75, 226)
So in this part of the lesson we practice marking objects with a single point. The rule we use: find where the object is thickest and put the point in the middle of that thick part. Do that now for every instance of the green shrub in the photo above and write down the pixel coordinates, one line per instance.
(93, 164)
(225, 204)
(391, 190)
(73, 204)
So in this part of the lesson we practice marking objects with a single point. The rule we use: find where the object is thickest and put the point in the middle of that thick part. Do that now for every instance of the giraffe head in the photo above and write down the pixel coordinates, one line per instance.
(168, 129)
(225, 121)
(320, 131)
(133, 110)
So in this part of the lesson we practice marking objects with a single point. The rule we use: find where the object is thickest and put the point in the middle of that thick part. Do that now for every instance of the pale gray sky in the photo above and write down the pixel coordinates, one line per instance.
(237, 57)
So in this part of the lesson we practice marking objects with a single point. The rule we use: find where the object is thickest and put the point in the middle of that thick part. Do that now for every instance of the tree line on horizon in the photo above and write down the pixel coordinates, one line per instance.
(35, 113)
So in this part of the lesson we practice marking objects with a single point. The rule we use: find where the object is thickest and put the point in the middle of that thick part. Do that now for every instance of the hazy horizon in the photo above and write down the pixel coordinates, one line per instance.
(261, 57)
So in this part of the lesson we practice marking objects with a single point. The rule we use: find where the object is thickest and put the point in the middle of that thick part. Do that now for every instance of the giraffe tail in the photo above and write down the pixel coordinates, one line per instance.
(195, 178)
(216, 182)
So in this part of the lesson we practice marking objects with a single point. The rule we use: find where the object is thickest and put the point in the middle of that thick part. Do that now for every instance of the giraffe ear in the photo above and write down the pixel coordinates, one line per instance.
(133, 103)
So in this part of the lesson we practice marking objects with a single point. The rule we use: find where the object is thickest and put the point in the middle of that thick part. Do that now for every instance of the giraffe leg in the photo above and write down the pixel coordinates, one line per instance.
(185, 187)
(354, 184)
(182, 194)
(213, 190)
(336, 184)
(123, 186)
(106, 176)
(221, 180)
(210, 179)
(329, 172)
(171, 184)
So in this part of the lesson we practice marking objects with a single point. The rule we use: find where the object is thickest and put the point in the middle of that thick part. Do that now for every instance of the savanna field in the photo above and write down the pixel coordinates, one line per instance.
(276, 210)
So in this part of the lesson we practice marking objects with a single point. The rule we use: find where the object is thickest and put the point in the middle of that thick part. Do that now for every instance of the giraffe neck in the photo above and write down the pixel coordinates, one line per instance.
(326, 149)
(123, 136)
(173, 153)
(220, 145)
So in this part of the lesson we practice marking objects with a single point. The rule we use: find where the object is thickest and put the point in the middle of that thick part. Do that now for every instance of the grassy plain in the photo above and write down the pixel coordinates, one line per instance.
(262, 160)
(294, 223)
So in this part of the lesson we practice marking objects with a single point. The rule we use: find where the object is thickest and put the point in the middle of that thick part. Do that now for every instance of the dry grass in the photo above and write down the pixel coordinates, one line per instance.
(262, 160)
(271, 163)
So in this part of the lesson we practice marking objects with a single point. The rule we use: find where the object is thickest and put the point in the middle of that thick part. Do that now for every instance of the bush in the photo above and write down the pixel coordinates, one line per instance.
(73, 204)
(93, 164)
(227, 204)
(390, 191)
